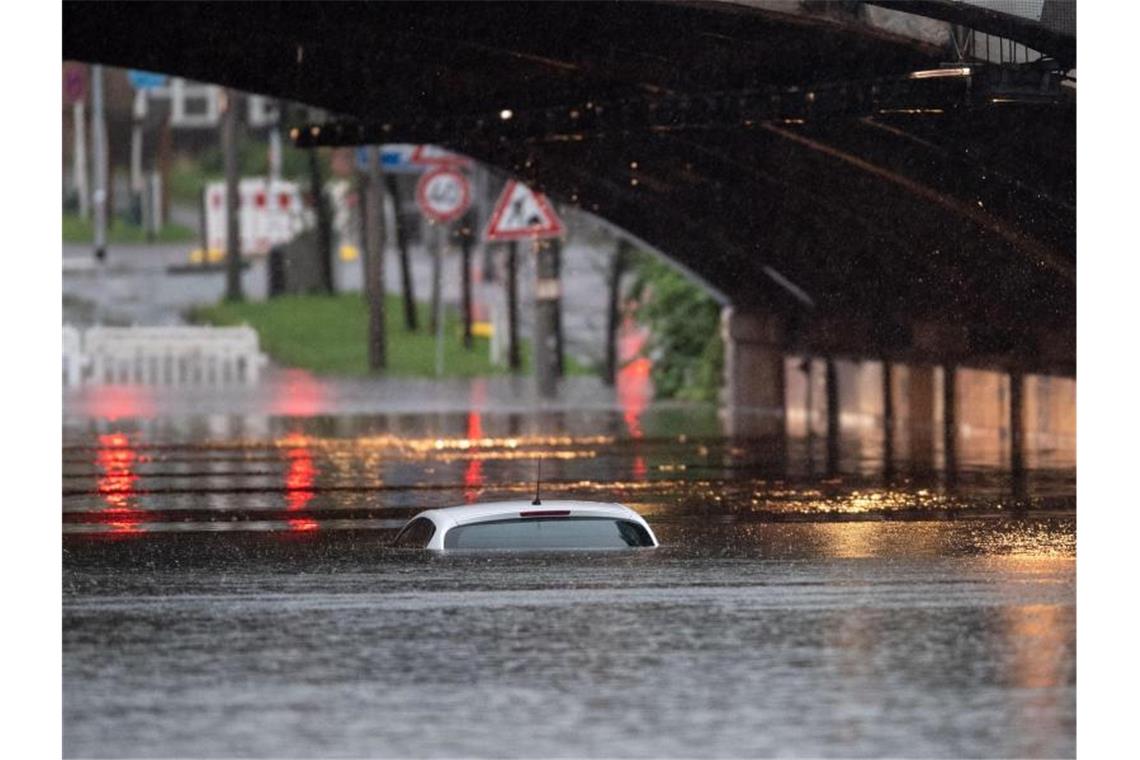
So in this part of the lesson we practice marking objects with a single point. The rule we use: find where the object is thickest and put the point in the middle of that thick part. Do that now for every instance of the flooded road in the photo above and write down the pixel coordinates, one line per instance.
(229, 591)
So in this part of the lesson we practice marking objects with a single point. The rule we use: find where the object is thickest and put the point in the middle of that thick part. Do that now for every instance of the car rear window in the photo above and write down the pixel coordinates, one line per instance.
(415, 534)
(549, 533)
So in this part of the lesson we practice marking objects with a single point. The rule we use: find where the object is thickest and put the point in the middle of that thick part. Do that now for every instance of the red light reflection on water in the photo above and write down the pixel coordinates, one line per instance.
(299, 394)
(473, 475)
(116, 458)
(299, 480)
(633, 385)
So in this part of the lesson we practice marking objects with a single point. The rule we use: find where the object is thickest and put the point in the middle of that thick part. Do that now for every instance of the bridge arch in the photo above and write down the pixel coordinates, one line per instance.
(857, 195)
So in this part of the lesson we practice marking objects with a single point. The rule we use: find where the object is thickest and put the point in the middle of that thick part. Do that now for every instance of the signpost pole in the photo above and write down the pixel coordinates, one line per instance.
(438, 231)
(99, 160)
(559, 345)
(163, 159)
(546, 298)
(513, 358)
(436, 273)
(138, 113)
(467, 242)
(79, 112)
(275, 148)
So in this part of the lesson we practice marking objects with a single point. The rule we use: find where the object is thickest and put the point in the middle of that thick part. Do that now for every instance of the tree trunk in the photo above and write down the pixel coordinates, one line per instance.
(233, 220)
(324, 224)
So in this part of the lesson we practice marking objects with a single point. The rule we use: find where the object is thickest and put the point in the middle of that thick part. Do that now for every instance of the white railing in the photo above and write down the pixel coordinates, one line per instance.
(73, 360)
(171, 356)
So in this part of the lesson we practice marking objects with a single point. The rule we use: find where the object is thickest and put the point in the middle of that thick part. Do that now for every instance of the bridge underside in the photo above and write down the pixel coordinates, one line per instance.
(794, 161)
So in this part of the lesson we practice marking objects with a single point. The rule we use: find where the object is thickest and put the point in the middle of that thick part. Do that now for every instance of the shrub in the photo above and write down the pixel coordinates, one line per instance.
(684, 322)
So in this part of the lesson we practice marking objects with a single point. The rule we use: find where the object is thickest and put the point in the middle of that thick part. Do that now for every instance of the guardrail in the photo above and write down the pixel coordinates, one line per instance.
(162, 356)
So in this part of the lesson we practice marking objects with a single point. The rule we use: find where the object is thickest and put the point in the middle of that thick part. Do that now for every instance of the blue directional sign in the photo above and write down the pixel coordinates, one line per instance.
(146, 80)
(404, 158)
(395, 158)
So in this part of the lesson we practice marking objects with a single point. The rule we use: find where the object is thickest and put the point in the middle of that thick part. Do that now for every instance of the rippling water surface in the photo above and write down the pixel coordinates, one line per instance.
(229, 591)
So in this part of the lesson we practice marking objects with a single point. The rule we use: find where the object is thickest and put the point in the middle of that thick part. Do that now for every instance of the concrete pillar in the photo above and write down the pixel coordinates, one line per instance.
(950, 421)
(753, 372)
(831, 385)
(920, 418)
(1017, 423)
(888, 418)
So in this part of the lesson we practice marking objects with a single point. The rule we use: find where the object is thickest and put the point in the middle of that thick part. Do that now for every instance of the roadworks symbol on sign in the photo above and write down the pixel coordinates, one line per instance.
(522, 214)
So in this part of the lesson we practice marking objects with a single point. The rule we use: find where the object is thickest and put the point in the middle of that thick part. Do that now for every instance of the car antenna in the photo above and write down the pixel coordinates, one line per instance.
(538, 486)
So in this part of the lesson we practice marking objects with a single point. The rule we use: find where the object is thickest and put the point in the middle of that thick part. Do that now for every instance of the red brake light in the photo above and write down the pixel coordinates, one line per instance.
(545, 513)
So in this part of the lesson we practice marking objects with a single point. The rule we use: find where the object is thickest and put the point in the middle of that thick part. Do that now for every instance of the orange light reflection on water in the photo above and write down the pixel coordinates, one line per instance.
(299, 480)
(633, 385)
(300, 395)
(116, 402)
(116, 458)
(473, 475)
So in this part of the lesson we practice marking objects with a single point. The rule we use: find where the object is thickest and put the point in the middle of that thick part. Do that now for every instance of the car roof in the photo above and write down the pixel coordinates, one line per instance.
(469, 513)
(447, 518)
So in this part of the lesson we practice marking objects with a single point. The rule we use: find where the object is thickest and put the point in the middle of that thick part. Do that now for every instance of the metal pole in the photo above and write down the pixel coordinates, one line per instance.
(514, 359)
(436, 274)
(438, 232)
(165, 148)
(275, 153)
(233, 222)
(202, 226)
(546, 298)
(409, 291)
(467, 242)
(138, 113)
(79, 168)
(559, 338)
(99, 159)
(374, 253)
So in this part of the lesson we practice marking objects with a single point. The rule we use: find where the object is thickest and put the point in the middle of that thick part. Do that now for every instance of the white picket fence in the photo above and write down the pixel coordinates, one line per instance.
(170, 356)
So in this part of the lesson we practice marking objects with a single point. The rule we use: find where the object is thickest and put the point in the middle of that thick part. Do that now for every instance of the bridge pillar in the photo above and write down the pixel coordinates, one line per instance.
(1017, 423)
(950, 422)
(831, 385)
(888, 417)
(754, 390)
(920, 416)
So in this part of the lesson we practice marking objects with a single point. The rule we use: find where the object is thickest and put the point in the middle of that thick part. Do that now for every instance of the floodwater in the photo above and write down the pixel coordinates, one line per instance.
(229, 590)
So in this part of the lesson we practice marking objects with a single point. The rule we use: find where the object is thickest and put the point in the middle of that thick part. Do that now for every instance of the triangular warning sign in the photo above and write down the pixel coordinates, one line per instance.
(522, 214)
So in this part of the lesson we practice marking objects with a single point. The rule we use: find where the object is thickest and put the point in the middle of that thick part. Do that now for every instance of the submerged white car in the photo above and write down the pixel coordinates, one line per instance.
(525, 525)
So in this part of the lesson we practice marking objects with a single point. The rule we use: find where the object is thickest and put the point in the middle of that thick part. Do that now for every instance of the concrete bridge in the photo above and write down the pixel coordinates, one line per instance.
(862, 180)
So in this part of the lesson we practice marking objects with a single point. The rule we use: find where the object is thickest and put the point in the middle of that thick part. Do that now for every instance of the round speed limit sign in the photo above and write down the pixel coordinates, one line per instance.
(443, 194)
